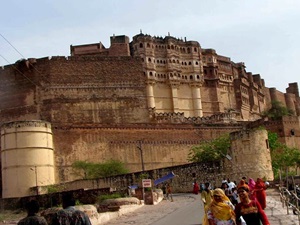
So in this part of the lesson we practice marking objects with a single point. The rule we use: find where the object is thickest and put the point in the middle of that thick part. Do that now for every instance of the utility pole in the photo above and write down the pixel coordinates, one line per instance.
(139, 146)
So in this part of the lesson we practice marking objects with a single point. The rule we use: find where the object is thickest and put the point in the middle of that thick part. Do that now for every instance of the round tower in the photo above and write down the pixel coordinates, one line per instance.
(27, 157)
(251, 155)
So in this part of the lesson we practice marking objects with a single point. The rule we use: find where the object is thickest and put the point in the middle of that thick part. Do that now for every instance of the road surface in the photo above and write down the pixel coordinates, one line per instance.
(186, 209)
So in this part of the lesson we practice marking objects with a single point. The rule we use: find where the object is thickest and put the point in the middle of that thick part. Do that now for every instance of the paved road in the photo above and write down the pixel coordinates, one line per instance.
(191, 214)
(186, 209)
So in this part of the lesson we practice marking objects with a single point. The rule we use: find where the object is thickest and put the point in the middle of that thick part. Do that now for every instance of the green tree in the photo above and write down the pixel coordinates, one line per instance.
(88, 170)
(277, 111)
(283, 157)
(213, 150)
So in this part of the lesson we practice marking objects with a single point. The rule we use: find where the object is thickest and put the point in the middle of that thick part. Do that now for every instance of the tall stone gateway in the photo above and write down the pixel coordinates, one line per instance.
(27, 157)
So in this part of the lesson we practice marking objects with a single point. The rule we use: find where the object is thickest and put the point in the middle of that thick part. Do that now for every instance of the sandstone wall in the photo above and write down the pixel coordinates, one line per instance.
(75, 90)
(161, 147)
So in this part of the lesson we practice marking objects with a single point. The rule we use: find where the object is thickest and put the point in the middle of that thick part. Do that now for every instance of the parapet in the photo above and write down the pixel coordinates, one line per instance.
(120, 39)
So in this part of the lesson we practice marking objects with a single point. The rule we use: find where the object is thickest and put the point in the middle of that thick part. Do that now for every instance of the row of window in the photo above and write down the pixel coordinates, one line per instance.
(171, 75)
(170, 61)
(210, 59)
(173, 47)
(226, 77)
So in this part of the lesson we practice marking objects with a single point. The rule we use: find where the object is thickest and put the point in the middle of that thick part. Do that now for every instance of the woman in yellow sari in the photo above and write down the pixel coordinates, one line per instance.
(220, 211)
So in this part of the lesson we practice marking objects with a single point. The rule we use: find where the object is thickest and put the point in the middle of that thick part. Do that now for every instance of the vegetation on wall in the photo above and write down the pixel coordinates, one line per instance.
(277, 111)
(283, 157)
(208, 151)
(88, 170)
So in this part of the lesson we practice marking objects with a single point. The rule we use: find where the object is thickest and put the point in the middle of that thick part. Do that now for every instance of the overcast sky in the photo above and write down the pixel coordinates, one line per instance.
(265, 34)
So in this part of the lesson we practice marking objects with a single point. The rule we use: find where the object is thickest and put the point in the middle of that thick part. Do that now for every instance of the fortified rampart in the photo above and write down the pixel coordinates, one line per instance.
(163, 95)
(238, 164)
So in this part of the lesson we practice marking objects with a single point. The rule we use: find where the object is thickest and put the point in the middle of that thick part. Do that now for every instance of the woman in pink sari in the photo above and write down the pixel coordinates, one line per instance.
(251, 185)
(260, 192)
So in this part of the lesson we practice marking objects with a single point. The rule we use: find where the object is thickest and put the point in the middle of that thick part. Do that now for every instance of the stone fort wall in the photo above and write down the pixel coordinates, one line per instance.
(160, 146)
(101, 105)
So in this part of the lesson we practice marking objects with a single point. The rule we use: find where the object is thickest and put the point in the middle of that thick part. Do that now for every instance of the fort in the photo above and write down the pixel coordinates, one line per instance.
(144, 102)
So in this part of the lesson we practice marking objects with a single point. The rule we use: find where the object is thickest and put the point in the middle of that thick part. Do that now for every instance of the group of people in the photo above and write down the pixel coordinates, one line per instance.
(66, 216)
(221, 208)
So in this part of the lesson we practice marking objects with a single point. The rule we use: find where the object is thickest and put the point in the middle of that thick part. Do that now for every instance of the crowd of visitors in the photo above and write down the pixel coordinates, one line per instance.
(235, 204)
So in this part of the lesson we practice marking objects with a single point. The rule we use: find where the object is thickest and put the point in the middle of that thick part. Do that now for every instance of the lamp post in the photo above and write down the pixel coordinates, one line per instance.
(36, 180)
(139, 146)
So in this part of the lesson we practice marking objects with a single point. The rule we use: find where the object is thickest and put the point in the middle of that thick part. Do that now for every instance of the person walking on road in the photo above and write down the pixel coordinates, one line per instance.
(169, 194)
(196, 188)
(220, 211)
(206, 196)
(250, 210)
(260, 193)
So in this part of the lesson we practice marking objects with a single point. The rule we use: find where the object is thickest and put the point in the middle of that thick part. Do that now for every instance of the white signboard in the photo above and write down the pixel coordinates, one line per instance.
(146, 182)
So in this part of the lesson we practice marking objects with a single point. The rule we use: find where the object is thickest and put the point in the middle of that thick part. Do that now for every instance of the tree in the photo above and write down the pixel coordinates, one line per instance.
(282, 156)
(89, 170)
(277, 111)
(213, 150)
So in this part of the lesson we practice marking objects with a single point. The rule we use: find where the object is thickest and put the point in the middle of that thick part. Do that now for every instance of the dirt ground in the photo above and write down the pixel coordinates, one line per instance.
(11, 217)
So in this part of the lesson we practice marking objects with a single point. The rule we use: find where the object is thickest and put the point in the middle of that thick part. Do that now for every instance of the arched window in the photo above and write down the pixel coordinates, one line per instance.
(190, 63)
(191, 77)
(198, 77)
(196, 63)
(148, 45)
(141, 45)
(195, 49)
(149, 59)
(188, 50)
(151, 74)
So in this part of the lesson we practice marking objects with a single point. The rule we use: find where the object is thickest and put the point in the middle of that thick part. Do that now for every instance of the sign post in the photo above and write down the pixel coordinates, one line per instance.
(146, 183)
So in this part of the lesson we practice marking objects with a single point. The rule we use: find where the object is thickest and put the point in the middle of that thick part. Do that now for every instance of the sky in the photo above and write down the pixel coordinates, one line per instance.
(264, 34)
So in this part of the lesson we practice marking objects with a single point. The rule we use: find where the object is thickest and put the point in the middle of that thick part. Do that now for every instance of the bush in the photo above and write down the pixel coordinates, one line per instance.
(110, 196)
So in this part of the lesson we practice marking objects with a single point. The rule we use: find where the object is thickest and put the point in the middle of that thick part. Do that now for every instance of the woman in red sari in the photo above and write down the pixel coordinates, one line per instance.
(196, 188)
(260, 192)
